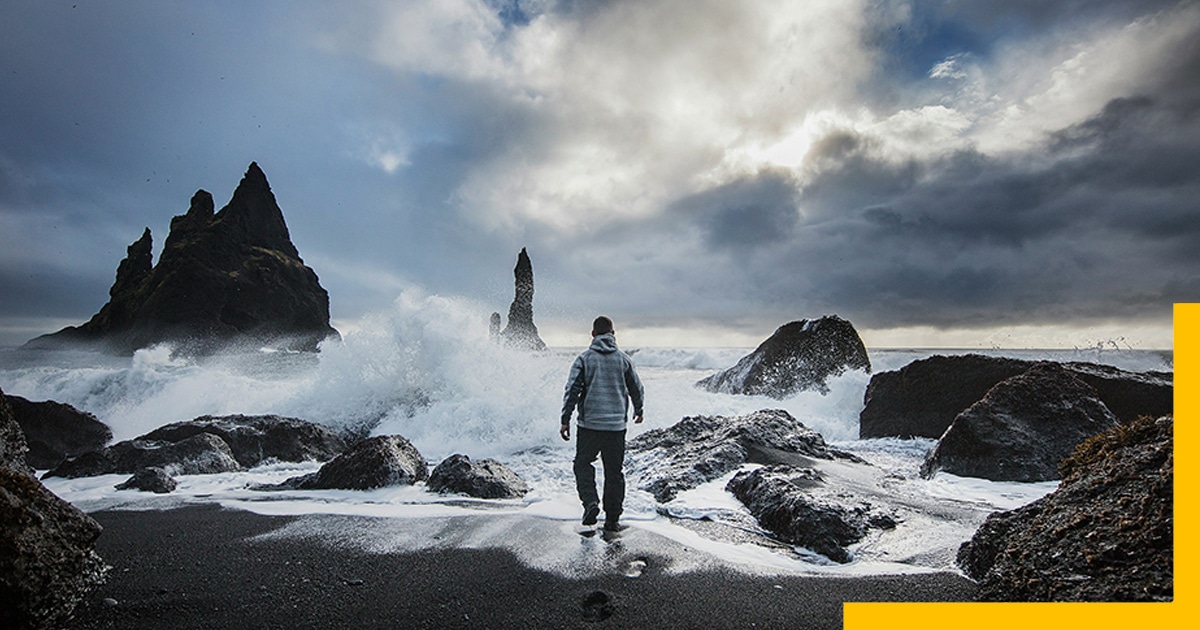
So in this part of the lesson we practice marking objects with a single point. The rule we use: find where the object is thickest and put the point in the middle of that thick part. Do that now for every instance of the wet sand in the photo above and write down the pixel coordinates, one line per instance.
(206, 567)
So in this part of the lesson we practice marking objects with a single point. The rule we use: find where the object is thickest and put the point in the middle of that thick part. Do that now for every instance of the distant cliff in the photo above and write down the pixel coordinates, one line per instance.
(229, 277)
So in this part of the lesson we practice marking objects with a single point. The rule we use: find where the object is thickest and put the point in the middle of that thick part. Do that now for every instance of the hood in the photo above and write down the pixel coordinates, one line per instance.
(605, 343)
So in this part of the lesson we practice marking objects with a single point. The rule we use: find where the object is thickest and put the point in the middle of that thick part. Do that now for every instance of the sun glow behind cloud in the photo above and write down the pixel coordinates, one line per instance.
(637, 106)
(952, 166)
(646, 102)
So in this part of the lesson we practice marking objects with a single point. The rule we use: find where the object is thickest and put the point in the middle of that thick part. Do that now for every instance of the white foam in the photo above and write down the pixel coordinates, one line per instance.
(426, 369)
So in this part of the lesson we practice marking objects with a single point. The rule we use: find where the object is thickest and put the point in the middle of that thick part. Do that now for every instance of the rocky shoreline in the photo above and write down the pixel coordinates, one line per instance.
(806, 493)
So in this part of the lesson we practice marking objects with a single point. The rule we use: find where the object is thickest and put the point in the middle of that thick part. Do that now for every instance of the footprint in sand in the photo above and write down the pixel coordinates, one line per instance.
(597, 606)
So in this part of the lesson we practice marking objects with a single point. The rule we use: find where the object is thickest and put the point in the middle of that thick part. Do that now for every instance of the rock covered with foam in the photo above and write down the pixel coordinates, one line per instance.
(210, 444)
(200, 454)
(698, 449)
(254, 440)
(483, 479)
(778, 496)
(152, 479)
(800, 355)
(376, 462)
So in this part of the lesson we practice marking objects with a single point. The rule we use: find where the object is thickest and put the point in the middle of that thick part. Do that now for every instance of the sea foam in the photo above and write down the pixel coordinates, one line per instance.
(427, 369)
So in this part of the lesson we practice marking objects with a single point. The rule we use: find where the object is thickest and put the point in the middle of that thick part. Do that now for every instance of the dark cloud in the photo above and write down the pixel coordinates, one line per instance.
(26, 295)
(1108, 229)
(749, 212)
(392, 173)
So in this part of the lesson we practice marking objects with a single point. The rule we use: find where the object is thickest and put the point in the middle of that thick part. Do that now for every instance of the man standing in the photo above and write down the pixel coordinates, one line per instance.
(602, 383)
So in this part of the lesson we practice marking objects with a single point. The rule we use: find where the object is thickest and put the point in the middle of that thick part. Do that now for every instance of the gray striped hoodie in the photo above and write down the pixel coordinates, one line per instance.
(602, 382)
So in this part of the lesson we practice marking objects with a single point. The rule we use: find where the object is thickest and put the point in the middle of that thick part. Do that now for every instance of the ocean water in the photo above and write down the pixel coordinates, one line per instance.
(426, 369)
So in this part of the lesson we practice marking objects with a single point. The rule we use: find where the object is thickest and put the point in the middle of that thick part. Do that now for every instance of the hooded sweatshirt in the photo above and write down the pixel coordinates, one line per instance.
(601, 384)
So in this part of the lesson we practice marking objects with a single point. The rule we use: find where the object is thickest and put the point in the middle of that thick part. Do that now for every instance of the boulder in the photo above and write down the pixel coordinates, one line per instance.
(230, 277)
(48, 562)
(200, 454)
(377, 462)
(13, 450)
(211, 444)
(1022, 428)
(254, 440)
(1129, 395)
(521, 331)
(800, 355)
(699, 449)
(1106, 533)
(923, 398)
(777, 496)
(152, 479)
(484, 479)
(55, 431)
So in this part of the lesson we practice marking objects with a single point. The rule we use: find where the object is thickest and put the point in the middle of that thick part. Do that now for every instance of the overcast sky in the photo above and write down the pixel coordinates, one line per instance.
(939, 173)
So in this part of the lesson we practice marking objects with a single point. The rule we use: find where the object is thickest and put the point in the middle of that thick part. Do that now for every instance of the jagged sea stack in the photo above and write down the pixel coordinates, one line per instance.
(521, 331)
(233, 276)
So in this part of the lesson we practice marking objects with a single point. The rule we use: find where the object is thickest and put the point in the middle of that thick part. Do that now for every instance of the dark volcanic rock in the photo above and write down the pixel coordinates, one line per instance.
(1106, 533)
(229, 277)
(1022, 428)
(210, 444)
(776, 496)
(521, 331)
(799, 356)
(13, 450)
(151, 479)
(55, 431)
(385, 460)
(923, 398)
(1129, 395)
(698, 449)
(48, 562)
(203, 453)
(138, 263)
(485, 479)
(256, 439)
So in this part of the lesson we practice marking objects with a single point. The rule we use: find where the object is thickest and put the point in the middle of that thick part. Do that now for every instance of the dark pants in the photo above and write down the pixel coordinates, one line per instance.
(610, 446)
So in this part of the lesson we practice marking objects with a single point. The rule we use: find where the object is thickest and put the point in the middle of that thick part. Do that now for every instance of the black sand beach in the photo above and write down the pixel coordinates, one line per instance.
(200, 567)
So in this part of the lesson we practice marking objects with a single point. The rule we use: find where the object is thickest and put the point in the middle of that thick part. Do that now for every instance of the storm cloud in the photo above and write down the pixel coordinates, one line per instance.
(688, 164)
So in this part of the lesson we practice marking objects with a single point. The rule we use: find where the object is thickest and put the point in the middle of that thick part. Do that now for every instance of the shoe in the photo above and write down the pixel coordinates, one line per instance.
(614, 526)
(590, 514)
